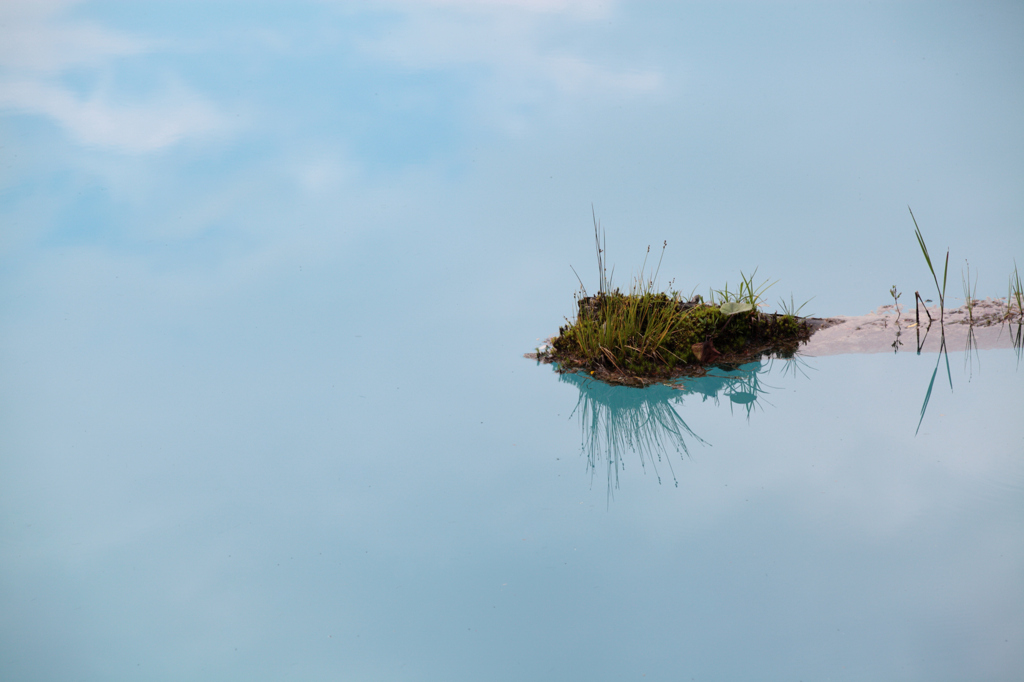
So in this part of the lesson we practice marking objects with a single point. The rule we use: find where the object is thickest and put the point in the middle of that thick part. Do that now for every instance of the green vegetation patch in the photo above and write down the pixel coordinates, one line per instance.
(644, 337)
(647, 336)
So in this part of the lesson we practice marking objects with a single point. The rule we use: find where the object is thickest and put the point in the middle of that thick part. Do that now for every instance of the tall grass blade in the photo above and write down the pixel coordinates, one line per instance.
(942, 296)
(970, 290)
(928, 260)
(1015, 293)
(599, 237)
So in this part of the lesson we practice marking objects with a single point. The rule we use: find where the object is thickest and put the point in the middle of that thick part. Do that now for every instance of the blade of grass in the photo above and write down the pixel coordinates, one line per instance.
(928, 260)
(969, 292)
(942, 296)
(1015, 292)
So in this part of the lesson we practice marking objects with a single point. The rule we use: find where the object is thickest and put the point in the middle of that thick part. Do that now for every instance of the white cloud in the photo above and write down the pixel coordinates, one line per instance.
(42, 47)
(572, 73)
(513, 41)
(96, 121)
(37, 47)
(583, 8)
(320, 174)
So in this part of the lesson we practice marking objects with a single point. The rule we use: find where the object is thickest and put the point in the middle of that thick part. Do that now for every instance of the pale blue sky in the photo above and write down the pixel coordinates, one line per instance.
(200, 141)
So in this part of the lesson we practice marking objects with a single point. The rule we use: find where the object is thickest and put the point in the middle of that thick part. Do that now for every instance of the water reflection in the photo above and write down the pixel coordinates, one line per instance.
(1017, 339)
(646, 421)
(943, 353)
(972, 349)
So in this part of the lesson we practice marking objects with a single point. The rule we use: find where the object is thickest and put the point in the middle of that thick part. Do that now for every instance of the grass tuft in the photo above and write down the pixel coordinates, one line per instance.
(791, 309)
(748, 292)
(969, 292)
(1015, 295)
(648, 335)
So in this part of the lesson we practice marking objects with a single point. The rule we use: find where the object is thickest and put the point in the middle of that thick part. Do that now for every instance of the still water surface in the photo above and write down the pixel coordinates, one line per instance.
(782, 522)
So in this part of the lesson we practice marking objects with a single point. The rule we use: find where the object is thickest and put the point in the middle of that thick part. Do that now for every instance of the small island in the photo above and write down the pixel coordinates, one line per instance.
(645, 337)
(648, 336)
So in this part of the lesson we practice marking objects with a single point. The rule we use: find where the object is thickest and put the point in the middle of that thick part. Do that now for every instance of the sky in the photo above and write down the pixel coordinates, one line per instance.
(206, 149)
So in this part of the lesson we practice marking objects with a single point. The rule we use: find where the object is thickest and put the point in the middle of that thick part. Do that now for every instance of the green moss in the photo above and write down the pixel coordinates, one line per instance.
(646, 337)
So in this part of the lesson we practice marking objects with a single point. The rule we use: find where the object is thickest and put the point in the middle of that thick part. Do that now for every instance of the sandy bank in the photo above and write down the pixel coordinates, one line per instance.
(880, 331)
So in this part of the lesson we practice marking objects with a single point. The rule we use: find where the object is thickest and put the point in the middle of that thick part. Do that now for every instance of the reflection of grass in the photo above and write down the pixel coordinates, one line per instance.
(796, 365)
(1018, 341)
(617, 419)
(969, 291)
(1017, 338)
(935, 373)
(742, 386)
(971, 351)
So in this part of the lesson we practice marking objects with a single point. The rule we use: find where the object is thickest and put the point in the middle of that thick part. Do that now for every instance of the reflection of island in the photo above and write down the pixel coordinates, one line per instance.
(617, 418)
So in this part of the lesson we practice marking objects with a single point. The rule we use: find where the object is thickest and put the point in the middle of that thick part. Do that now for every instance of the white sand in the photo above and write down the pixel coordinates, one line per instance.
(877, 332)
